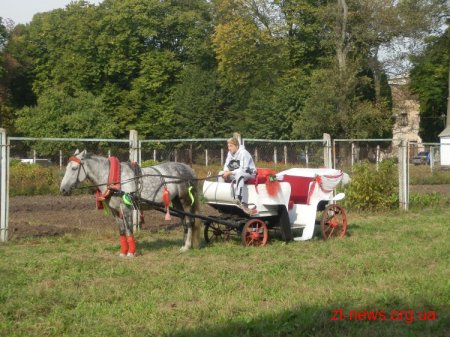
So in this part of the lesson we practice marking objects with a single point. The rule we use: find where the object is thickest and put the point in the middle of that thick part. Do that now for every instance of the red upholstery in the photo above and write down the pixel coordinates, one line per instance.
(261, 176)
(299, 189)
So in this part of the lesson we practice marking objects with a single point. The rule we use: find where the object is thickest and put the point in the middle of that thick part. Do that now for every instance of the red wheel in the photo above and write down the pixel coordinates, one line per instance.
(255, 233)
(334, 222)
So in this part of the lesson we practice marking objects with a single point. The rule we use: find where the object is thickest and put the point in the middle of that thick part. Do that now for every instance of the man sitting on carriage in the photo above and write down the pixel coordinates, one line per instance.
(239, 167)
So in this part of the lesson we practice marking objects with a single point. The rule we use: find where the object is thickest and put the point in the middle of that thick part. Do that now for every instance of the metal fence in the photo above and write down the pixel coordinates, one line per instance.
(340, 154)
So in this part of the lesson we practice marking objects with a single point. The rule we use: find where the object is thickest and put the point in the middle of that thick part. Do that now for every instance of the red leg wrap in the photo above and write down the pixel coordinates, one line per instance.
(123, 244)
(131, 244)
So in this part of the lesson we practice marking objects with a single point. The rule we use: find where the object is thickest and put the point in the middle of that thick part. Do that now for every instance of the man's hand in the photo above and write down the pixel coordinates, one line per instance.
(227, 174)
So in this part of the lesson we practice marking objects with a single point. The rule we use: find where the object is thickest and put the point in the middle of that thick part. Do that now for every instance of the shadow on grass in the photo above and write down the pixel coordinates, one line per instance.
(321, 322)
(145, 246)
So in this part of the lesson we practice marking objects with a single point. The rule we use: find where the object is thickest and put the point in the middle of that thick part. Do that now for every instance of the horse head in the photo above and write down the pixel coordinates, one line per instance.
(75, 172)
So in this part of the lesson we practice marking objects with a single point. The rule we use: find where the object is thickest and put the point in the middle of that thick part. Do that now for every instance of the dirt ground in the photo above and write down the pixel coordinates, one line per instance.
(55, 215)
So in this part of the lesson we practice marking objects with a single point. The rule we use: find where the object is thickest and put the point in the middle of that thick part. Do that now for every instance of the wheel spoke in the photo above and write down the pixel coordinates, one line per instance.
(254, 233)
(334, 222)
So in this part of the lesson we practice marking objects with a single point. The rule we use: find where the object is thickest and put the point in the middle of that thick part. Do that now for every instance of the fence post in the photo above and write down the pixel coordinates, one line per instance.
(4, 185)
(275, 157)
(327, 151)
(221, 157)
(352, 154)
(285, 154)
(306, 156)
(431, 158)
(403, 176)
(134, 146)
(256, 155)
(206, 157)
(60, 159)
(238, 136)
(377, 157)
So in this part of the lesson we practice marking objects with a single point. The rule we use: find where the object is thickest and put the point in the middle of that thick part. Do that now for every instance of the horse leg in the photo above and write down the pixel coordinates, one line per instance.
(196, 226)
(187, 229)
(193, 234)
(122, 232)
(127, 217)
(124, 221)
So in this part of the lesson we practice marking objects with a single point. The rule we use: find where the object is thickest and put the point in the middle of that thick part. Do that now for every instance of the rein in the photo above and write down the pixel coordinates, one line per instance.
(178, 181)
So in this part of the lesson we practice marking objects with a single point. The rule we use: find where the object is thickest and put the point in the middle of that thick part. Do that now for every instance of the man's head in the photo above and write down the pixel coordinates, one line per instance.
(233, 145)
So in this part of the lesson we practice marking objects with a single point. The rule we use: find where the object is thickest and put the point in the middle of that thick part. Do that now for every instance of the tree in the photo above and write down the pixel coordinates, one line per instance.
(430, 81)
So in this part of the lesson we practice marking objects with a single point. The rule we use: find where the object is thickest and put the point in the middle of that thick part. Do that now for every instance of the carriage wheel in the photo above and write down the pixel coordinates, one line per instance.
(214, 232)
(334, 222)
(255, 233)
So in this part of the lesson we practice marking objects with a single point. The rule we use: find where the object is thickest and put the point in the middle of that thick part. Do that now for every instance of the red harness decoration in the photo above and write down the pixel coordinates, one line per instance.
(113, 182)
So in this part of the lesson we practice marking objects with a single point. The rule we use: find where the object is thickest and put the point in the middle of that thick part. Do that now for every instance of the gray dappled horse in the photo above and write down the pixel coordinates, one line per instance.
(149, 184)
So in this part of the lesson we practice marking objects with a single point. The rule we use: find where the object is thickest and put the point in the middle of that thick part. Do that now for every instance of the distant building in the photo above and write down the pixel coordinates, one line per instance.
(406, 111)
(445, 144)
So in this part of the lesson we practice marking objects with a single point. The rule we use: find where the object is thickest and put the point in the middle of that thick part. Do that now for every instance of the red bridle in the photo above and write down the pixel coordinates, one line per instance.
(75, 159)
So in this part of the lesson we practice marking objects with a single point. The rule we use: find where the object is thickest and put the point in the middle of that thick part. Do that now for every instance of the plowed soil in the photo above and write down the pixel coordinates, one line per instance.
(56, 215)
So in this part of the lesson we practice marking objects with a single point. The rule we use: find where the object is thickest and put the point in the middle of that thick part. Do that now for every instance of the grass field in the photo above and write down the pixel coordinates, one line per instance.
(392, 266)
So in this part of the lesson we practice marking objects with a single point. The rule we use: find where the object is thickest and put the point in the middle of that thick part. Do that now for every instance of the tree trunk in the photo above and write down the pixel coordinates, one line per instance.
(448, 99)
(341, 48)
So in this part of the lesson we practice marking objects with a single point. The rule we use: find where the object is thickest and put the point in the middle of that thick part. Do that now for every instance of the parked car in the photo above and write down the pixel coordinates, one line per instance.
(422, 158)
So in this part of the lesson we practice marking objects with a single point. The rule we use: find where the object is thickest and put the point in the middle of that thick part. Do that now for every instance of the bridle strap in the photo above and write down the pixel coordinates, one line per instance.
(78, 161)
(75, 159)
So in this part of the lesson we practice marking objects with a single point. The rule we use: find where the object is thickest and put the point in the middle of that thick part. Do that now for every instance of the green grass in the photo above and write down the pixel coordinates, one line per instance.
(76, 285)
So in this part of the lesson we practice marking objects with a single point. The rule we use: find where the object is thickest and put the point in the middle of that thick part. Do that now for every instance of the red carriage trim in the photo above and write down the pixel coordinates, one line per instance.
(319, 180)
(265, 176)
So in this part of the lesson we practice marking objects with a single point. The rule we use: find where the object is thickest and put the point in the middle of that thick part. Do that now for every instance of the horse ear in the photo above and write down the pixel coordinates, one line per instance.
(83, 154)
(76, 152)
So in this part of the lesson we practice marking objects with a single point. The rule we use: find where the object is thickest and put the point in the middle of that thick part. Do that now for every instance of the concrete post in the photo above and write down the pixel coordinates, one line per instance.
(403, 176)
(4, 185)
(134, 156)
(327, 155)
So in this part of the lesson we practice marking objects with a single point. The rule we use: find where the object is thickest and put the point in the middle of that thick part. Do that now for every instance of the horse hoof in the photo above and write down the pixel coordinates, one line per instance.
(184, 249)
(130, 255)
(122, 255)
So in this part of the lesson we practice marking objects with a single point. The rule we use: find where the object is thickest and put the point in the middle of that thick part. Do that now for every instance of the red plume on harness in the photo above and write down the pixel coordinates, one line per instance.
(166, 199)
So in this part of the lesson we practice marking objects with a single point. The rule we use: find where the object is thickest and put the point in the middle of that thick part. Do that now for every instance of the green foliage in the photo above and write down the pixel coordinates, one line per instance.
(429, 79)
(172, 69)
(32, 179)
(148, 163)
(420, 175)
(433, 199)
(371, 189)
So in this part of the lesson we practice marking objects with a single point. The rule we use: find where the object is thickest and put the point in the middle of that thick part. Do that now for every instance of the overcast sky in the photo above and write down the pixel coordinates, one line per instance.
(22, 11)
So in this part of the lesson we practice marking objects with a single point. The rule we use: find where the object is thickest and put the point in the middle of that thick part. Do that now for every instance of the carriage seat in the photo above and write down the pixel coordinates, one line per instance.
(299, 189)
(262, 174)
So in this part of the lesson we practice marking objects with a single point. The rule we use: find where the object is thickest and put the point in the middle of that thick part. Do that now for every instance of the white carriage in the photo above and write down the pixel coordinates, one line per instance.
(288, 200)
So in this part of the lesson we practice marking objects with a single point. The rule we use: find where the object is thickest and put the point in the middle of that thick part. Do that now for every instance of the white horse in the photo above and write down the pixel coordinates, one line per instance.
(175, 182)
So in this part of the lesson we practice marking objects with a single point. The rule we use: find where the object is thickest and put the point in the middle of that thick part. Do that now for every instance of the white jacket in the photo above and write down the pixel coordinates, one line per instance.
(241, 160)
